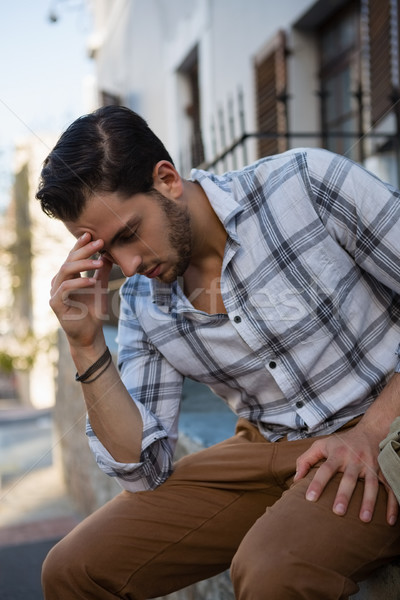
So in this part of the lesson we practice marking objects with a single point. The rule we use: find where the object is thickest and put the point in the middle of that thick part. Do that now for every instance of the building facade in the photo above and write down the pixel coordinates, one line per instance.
(34, 249)
(224, 82)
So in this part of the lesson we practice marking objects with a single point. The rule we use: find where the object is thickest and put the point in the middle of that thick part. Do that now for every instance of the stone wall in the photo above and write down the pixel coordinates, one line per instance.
(89, 488)
(215, 588)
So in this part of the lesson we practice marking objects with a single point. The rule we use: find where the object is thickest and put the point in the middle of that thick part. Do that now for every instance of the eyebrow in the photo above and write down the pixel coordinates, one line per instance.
(127, 227)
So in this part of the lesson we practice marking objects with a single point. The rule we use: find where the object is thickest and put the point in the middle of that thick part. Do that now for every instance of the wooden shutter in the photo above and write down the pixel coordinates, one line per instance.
(270, 84)
(381, 46)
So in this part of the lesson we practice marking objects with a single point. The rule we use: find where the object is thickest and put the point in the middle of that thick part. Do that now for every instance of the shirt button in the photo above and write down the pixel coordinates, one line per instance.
(272, 364)
(299, 404)
(237, 319)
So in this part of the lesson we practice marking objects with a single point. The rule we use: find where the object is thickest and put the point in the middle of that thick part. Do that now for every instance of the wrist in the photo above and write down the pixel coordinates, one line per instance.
(85, 356)
(371, 428)
(385, 408)
(96, 369)
(375, 426)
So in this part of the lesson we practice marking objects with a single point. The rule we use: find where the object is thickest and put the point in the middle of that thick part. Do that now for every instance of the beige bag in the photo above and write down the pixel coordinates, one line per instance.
(389, 457)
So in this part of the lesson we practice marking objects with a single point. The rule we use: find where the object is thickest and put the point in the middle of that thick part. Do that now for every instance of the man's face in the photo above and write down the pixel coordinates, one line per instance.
(147, 233)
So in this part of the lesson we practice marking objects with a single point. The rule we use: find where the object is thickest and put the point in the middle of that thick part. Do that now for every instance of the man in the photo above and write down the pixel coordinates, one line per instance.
(277, 286)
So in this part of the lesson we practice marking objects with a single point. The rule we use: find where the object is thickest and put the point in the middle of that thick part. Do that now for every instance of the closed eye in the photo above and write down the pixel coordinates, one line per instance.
(127, 238)
(124, 235)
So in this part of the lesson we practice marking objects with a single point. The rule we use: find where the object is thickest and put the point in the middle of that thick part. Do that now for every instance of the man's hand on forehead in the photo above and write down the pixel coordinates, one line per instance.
(80, 300)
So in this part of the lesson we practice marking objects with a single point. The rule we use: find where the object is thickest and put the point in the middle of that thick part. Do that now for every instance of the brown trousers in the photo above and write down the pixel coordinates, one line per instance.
(233, 504)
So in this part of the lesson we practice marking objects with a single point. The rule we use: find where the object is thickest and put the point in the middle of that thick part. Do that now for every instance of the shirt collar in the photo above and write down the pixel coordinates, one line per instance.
(220, 193)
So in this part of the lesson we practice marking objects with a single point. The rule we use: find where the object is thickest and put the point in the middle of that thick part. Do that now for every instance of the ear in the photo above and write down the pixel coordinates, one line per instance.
(167, 180)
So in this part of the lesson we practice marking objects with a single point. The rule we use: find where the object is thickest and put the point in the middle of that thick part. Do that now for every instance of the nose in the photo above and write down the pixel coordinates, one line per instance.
(127, 262)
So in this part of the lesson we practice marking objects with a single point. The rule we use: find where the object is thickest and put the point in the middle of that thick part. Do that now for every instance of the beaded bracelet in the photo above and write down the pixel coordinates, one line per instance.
(104, 359)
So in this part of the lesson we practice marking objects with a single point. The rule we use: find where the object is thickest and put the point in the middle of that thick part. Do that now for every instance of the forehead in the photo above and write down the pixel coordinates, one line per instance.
(104, 214)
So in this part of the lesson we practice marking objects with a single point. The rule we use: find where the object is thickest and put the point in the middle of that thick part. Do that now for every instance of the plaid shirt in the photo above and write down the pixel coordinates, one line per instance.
(310, 282)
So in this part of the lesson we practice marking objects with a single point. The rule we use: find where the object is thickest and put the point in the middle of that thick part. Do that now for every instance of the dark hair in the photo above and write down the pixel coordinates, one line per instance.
(109, 150)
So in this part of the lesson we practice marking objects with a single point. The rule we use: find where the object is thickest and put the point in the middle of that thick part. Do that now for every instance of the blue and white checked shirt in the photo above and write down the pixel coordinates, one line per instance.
(310, 282)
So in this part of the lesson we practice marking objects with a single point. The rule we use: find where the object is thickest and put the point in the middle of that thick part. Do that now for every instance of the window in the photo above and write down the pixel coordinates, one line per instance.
(341, 82)
(271, 97)
(191, 118)
(384, 56)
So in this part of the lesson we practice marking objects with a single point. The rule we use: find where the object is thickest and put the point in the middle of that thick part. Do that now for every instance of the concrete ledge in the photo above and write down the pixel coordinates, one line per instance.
(383, 584)
(215, 588)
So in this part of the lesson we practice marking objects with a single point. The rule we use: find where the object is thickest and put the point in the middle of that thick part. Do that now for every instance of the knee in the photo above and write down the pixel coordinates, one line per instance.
(57, 570)
(71, 566)
(73, 569)
(278, 574)
(82, 566)
(262, 577)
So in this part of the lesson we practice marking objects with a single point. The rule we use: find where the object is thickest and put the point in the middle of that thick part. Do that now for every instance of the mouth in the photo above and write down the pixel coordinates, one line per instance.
(153, 272)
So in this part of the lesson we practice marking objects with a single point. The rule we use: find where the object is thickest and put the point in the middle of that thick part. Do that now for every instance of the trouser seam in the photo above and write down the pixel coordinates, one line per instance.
(279, 480)
(176, 542)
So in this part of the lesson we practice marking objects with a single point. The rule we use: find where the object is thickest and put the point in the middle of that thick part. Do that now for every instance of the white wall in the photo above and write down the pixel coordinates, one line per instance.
(143, 44)
(129, 59)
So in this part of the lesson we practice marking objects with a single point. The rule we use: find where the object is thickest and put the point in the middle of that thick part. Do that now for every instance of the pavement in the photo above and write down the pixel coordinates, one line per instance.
(35, 509)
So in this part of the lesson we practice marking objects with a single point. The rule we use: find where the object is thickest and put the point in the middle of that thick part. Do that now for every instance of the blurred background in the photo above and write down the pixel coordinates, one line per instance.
(222, 83)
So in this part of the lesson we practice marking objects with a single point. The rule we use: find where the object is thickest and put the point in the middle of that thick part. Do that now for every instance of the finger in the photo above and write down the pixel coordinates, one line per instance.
(371, 489)
(73, 270)
(84, 247)
(345, 491)
(308, 459)
(69, 287)
(82, 250)
(392, 511)
(102, 274)
(320, 480)
(84, 239)
(81, 242)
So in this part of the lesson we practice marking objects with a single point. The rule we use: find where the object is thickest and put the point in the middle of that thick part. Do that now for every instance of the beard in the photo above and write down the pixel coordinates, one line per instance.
(179, 235)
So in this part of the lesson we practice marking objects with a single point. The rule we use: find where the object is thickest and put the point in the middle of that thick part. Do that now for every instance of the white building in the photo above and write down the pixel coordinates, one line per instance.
(303, 72)
(39, 246)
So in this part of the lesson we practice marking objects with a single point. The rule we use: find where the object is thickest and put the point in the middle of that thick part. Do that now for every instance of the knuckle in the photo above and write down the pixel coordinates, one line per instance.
(63, 268)
(63, 286)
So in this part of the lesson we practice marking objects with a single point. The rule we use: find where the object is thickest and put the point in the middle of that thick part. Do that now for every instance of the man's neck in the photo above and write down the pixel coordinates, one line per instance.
(209, 235)
(202, 277)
